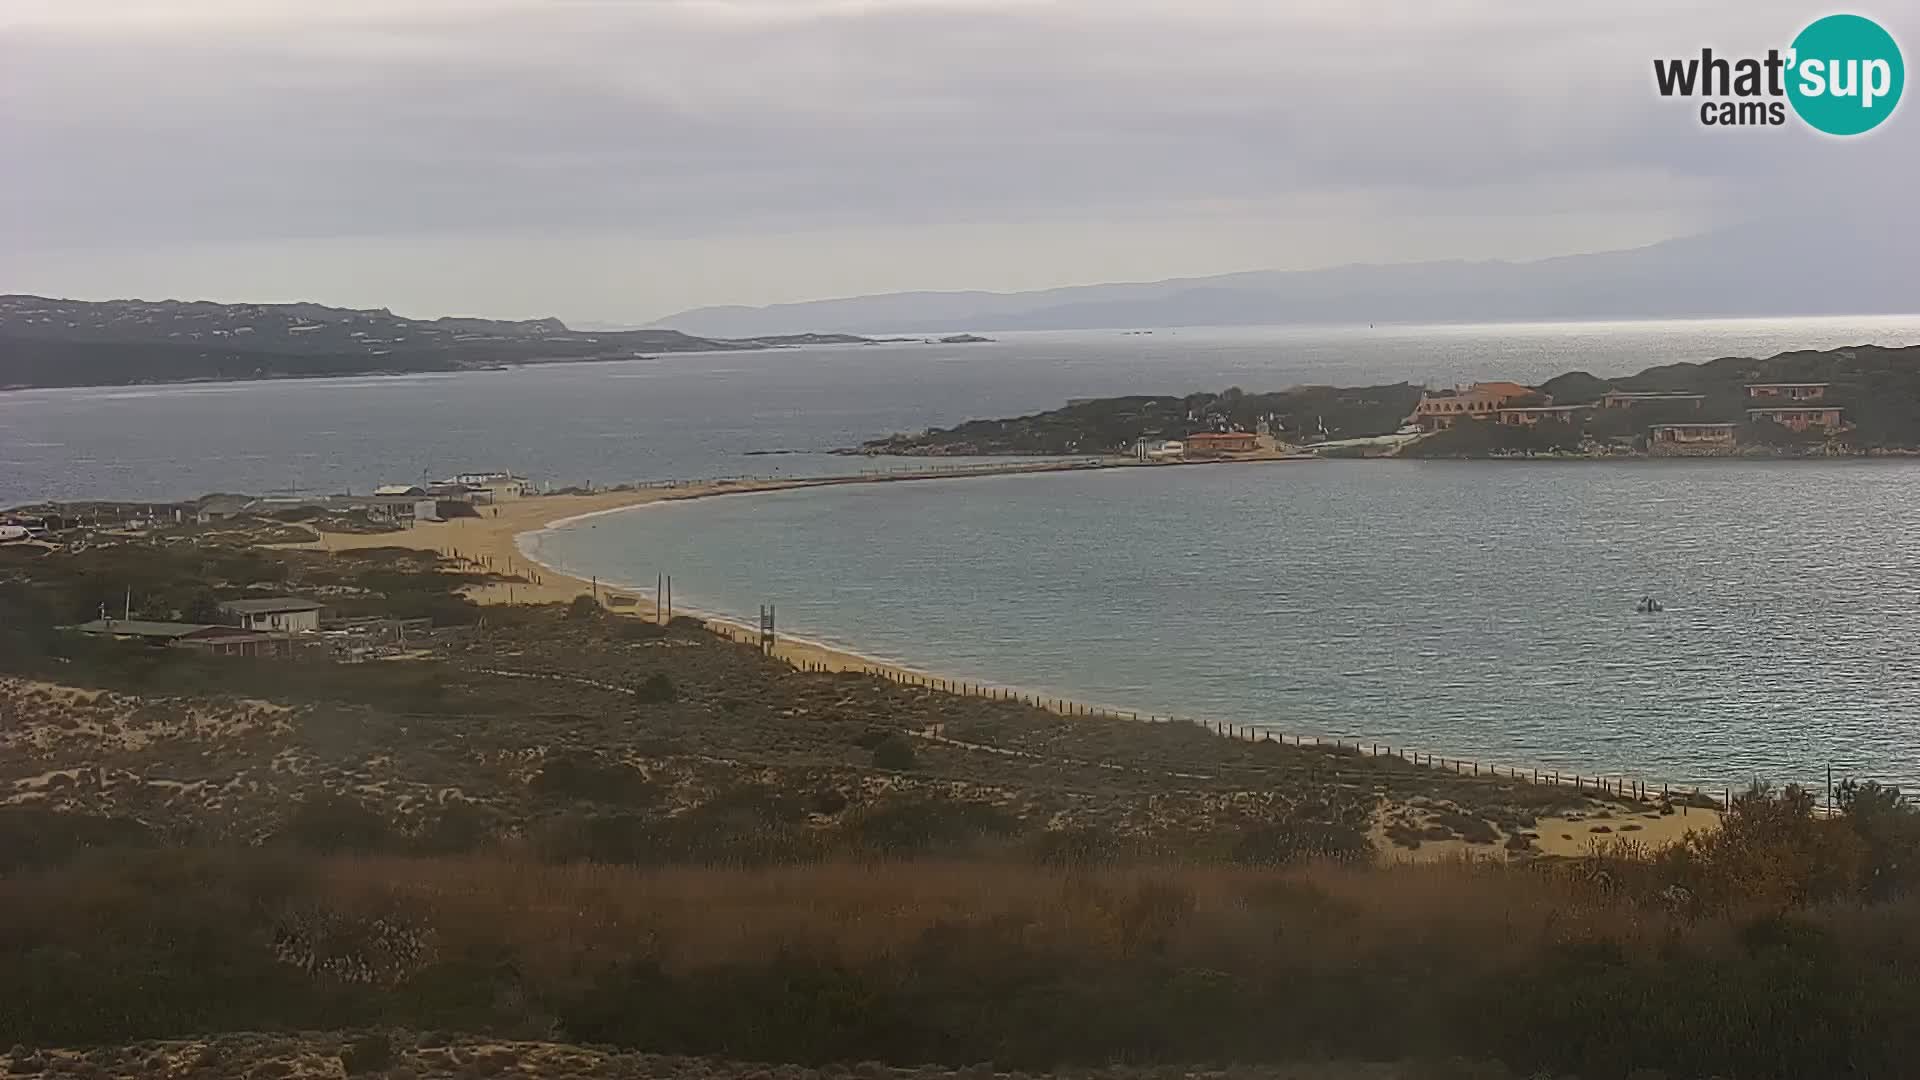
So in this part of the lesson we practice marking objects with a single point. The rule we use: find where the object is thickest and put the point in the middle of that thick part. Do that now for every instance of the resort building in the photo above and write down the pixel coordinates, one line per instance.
(1440, 409)
(500, 484)
(1790, 391)
(1529, 415)
(288, 614)
(1630, 399)
(1222, 442)
(460, 493)
(1799, 418)
(1677, 439)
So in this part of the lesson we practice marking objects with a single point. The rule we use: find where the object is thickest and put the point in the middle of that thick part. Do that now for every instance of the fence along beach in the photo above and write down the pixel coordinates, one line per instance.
(495, 542)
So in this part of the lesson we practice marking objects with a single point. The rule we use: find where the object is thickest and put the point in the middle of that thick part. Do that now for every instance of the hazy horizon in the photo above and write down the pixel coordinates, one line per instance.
(602, 323)
(619, 163)
(16, 288)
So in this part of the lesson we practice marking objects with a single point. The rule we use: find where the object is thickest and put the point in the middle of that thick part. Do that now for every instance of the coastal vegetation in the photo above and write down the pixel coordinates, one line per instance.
(54, 342)
(1877, 391)
(1111, 425)
(1571, 969)
(573, 733)
(557, 824)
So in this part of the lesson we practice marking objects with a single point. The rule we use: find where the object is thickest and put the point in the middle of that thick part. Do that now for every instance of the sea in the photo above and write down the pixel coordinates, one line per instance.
(1478, 610)
(702, 415)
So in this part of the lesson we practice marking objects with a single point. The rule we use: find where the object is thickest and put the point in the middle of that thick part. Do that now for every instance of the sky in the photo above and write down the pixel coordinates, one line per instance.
(614, 161)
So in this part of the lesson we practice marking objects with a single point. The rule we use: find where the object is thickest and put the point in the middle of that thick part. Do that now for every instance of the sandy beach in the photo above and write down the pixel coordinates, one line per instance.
(491, 542)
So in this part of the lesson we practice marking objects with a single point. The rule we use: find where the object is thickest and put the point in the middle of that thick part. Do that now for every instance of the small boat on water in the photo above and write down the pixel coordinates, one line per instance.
(1649, 606)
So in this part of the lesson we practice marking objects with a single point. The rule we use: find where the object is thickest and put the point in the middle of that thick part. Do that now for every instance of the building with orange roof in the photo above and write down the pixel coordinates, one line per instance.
(1441, 409)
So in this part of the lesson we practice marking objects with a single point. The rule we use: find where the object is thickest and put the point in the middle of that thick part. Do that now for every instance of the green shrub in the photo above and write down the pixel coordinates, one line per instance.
(329, 823)
(750, 804)
(460, 827)
(1469, 827)
(1781, 930)
(372, 1052)
(1889, 827)
(636, 629)
(602, 838)
(655, 689)
(1290, 842)
(926, 826)
(586, 777)
(1079, 845)
(32, 837)
(894, 752)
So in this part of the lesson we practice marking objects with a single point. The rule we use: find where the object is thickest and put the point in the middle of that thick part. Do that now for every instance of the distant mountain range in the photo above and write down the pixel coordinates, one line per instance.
(48, 342)
(1829, 267)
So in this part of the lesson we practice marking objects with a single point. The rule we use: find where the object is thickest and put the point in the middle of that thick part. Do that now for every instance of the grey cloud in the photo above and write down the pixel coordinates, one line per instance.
(682, 119)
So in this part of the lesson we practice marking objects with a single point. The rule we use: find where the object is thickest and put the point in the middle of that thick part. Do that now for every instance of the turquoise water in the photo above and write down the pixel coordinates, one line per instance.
(1484, 610)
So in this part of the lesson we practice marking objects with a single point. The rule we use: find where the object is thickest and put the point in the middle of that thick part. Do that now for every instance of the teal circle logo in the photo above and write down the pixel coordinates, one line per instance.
(1845, 74)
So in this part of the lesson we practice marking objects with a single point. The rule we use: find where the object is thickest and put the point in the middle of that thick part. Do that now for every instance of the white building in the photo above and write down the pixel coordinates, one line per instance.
(499, 484)
(1158, 450)
(287, 614)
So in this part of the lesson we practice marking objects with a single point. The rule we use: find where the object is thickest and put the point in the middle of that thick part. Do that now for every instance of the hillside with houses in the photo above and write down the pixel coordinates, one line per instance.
(1858, 400)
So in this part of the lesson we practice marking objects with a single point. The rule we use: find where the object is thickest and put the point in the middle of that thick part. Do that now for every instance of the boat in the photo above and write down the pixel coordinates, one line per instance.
(1649, 606)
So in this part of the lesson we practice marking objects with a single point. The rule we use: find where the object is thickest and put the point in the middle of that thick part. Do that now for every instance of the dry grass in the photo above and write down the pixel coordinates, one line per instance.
(440, 1056)
(879, 913)
(1575, 968)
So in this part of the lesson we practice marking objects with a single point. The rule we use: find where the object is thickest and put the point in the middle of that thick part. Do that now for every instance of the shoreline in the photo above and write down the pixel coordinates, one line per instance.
(731, 346)
(494, 543)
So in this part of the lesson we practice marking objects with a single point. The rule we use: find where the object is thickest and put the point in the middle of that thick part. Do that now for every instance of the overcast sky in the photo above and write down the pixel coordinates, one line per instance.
(618, 161)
